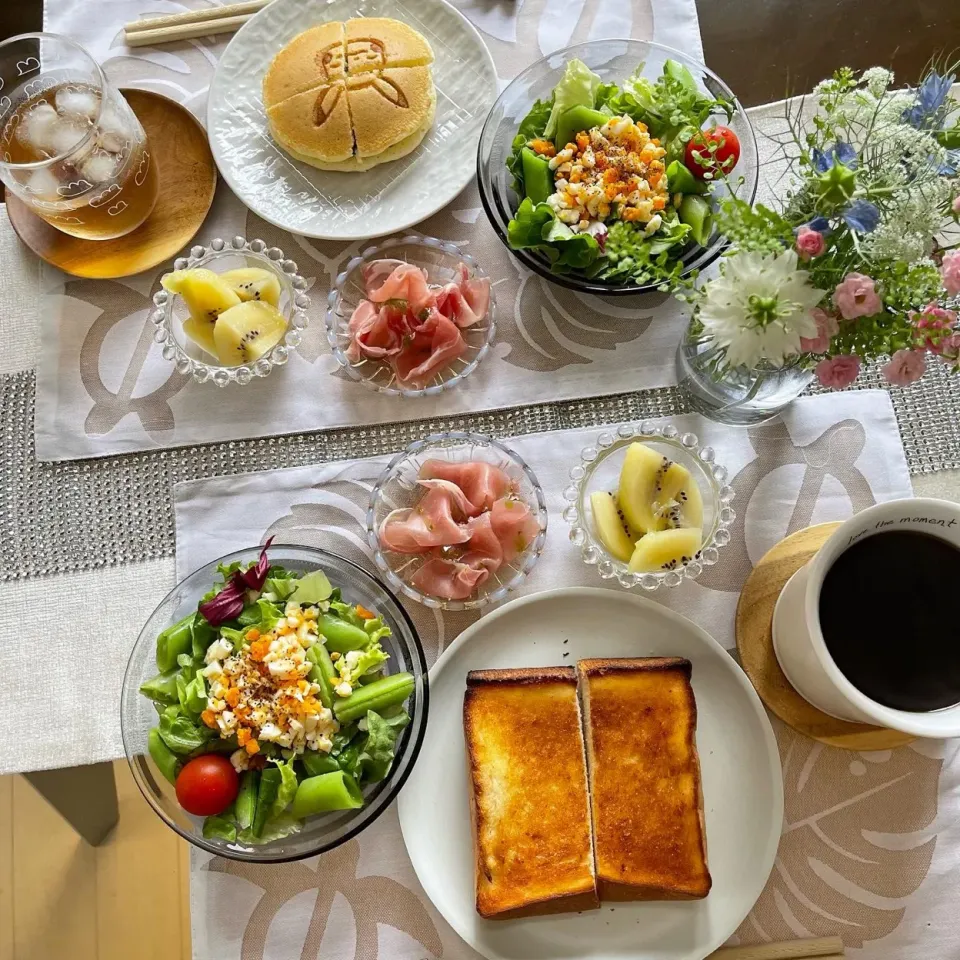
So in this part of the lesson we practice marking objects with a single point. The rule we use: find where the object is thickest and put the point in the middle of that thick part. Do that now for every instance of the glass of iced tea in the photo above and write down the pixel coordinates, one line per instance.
(70, 146)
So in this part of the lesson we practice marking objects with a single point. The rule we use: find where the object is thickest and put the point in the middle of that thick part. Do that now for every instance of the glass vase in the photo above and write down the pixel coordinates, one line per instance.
(740, 395)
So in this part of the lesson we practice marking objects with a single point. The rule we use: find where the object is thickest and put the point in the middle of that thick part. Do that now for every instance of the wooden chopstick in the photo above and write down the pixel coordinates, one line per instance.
(823, 948)
(196, 23)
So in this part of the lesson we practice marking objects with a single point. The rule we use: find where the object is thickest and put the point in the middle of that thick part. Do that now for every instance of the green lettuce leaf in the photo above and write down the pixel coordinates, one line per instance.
(377, 752)
(527, 227)
(263, 614)
(279, 588)
(220, 827)
(236, 637)
(314, 587)
(576, 250)
(376, 629)
(369, 660)
(577, 88)
(276, 828)
(192, 694)
(287, 789)
(346, 611)
(180, 733)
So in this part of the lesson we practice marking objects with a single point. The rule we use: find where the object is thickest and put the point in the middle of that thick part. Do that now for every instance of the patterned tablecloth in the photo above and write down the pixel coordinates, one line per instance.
(870, 839)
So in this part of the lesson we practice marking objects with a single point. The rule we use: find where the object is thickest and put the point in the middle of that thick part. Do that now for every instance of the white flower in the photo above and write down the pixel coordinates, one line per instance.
(877, 80)
(759, 308)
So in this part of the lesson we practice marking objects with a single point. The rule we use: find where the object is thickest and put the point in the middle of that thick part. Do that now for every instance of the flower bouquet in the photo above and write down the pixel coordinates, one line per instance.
(858, 264)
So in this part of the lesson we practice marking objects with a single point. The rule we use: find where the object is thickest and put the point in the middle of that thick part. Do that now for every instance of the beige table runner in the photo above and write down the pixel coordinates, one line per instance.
(870, 840)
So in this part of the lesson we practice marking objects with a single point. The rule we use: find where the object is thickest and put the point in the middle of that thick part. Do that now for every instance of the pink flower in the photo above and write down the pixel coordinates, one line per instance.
(827, 327)
(950, 348)
(856, 296)
(809, 243)
(838, 372)
(905, 367)
(937, 322)
(950, 271)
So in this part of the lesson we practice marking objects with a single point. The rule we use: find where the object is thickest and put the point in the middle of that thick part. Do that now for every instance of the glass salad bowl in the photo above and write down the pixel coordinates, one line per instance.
(614, 60)
(320, 832)
(221, 256)
(440, 260)
(598, 470)
(397, 488)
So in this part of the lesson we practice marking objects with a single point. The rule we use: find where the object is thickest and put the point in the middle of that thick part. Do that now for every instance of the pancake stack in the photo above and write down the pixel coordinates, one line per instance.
(349, 96)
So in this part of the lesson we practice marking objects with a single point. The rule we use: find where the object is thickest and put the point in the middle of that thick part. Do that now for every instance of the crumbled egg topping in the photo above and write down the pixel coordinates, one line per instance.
(617, 168)
(261, 693)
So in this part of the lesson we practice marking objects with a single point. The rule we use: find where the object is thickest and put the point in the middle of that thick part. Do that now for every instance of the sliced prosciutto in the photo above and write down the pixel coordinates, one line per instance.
(483, 483)
(431, 523)
(405, 283)
(376, 331)
(435, 344)
(514, 526)
(412, 325)
(449, 579)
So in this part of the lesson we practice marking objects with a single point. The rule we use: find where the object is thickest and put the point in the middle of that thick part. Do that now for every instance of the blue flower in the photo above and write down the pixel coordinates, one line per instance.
(841, 153)
(931, 95)
(820, 224)
(861, 216)
(951, 165)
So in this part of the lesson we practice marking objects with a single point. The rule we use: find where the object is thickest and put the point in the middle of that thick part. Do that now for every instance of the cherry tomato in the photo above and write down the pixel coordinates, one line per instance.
(700, 158)
(207, 785)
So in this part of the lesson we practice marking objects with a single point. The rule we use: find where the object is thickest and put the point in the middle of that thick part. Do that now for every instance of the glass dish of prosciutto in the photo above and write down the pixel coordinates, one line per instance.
(411, 317)
(456, 521)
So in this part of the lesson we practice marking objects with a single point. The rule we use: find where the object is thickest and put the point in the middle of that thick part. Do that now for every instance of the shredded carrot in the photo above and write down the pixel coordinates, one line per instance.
(364, 614)
(233, 696)
(630, 213)
(252, 747)
(259, 649)
(659, 203)
(209, 718)
(243, 736)
(253, 634)
(583, 140)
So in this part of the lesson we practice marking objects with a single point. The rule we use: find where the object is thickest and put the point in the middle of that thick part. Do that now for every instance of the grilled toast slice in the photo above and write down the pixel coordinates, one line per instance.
(529, 784)
(646, 798)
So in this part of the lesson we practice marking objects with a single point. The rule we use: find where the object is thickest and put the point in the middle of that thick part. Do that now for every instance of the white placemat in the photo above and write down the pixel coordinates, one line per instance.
(867, 852)
(104, 388)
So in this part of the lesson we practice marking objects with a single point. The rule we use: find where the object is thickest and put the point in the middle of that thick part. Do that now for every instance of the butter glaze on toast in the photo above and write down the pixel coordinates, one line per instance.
(529, 792)
(646, 798)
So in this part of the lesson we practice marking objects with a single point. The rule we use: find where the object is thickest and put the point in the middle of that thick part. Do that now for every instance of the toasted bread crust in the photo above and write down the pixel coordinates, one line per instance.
(529, 793)
(646, 796)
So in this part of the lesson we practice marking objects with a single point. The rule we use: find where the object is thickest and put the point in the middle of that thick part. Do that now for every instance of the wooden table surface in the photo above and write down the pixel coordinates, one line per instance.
(766, 49)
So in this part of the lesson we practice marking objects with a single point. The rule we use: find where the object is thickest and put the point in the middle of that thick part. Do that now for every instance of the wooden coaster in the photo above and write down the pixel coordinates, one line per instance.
(187, 176)
(759, 661)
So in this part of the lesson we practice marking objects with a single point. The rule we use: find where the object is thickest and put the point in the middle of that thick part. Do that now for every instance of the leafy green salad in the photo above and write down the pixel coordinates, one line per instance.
(613, 180)
(274, 703)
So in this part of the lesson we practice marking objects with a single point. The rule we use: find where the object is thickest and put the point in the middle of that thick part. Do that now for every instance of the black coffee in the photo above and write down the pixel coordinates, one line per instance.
(889, 616)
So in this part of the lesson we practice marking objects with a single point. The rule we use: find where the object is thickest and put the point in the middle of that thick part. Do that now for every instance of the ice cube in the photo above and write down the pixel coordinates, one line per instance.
(66, 134)
(36, 126)
(99, 167)
(72, 102)
(114, 132)
(43, 185)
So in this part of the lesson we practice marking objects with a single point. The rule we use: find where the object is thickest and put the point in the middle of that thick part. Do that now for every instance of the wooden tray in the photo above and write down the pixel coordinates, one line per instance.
(188, 179)
(759, 661)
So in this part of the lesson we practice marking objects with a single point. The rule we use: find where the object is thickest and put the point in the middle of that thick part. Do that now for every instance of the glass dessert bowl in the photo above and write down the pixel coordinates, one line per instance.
(282, 283)
(485, 521)
(444, 264)
(680, 497)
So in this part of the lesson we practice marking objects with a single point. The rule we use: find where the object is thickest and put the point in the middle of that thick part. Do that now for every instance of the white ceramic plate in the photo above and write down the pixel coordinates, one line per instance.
(350, 206)
(740, 765)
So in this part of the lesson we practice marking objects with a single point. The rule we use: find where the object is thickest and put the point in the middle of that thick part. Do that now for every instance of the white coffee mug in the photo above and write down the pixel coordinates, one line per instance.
(798, 640)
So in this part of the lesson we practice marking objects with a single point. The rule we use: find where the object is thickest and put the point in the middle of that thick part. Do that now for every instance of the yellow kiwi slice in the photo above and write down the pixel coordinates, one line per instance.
(205, 294)
(253, 283)
(609, 525)
(663, 550)
(200, 331)
(681, 504)
(641, 482)
(244, 333)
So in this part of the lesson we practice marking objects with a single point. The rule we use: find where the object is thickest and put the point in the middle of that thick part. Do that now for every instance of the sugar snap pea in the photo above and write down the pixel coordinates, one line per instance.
(329, 791)
(340, 635)
(376, 696)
